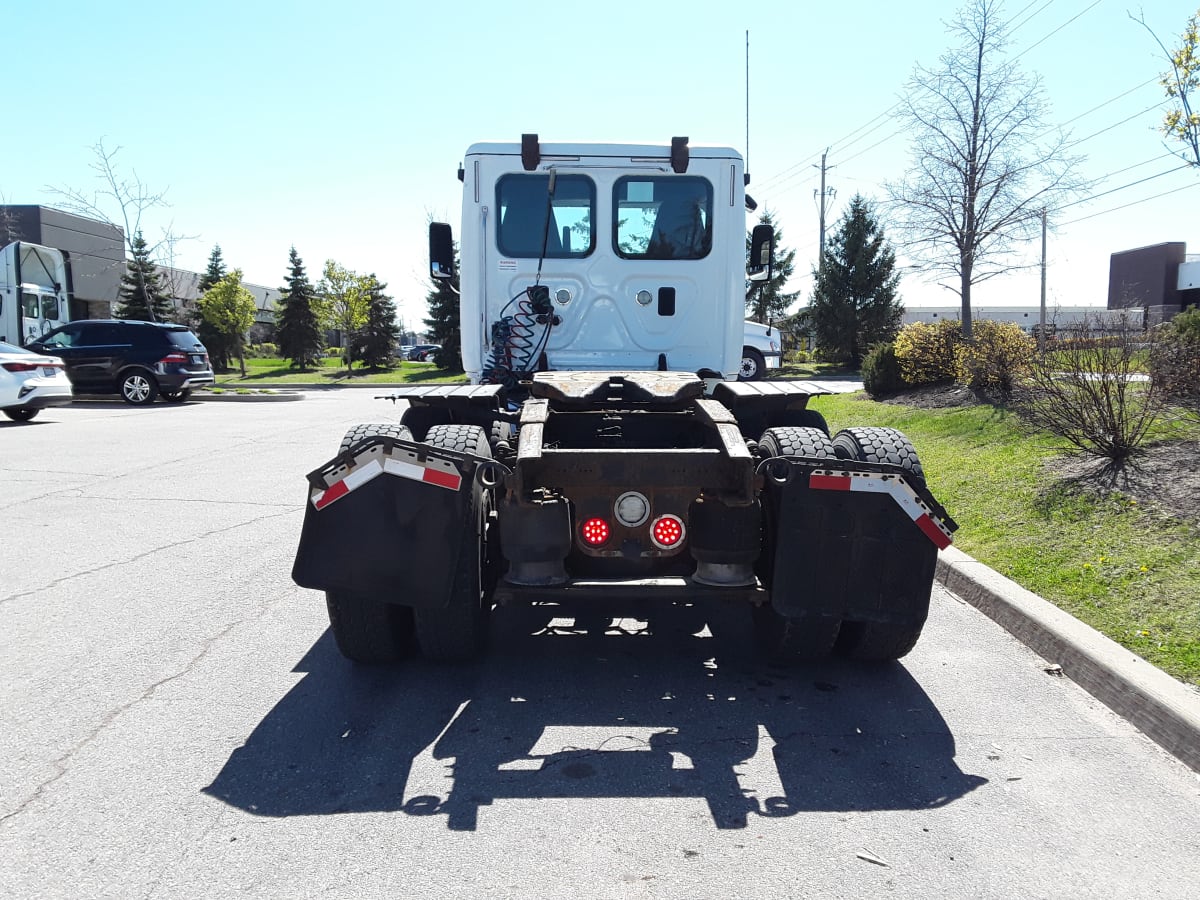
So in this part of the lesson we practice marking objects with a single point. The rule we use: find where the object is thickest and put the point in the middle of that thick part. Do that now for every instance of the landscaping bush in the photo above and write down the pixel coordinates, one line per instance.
(262, 351)
(1092, 393)
(925, 352)
(1175, 361)
(996, 356)
(798, 356)
(881, 371)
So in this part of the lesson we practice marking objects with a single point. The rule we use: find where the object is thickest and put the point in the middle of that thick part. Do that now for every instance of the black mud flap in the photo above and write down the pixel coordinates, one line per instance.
(385, 519)
(853, 540)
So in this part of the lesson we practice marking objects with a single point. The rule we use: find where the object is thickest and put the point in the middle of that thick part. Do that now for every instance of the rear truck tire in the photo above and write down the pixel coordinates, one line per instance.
(794, 638)
(804, 637)
(753, 365)
(138, 388)
(879, 641)
(370, 630)
(801, 418)
(177, 396)
(21, 413)
(878, 445)
(378, 429)
(795, 441)
(458, 631)
(420, 419)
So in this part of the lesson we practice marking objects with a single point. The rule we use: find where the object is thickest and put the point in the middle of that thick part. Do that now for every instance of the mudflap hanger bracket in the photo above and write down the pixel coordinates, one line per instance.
(390, 512)
(861, 538)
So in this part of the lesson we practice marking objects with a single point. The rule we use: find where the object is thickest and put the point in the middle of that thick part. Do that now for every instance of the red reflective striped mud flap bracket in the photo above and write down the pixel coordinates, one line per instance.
(385, 519)
(855, 540)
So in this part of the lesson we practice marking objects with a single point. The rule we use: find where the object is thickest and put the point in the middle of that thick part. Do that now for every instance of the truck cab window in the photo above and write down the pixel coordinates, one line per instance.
(29, 305)
(522, 203)
(662, 217)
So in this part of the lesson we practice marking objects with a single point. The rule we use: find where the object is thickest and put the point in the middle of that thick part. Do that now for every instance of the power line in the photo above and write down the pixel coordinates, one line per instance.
(1095, 3)
(1114, 125)
(1031, 15)
(1121, 188)
(870, 125)
(1136, 87)
(1186, 187)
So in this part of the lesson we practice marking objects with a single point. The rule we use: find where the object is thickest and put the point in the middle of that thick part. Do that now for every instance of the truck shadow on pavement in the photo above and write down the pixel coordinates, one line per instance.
(562, 713)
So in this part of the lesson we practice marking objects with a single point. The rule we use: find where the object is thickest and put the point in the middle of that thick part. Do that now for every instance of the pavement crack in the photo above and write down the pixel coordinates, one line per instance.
(62, 763)
(133, 559)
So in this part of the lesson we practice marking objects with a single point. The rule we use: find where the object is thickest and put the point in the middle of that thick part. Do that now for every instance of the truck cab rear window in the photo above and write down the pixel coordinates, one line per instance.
(524, 204)
(662, 217)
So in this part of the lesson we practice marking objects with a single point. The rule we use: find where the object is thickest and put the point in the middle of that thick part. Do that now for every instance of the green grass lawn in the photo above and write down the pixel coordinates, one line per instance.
(333, 371)
(1128, 571)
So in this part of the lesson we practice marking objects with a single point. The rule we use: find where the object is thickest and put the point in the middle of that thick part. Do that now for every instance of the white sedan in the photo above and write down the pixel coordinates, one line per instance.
(30, 382)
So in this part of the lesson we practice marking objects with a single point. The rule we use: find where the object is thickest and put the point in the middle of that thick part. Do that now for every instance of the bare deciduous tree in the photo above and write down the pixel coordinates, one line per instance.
(985, 165)
(121, 201)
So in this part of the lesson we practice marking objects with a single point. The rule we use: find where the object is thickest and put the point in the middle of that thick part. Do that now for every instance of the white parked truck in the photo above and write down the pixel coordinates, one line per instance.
(604, 459)
(762, 349)
(35, 290)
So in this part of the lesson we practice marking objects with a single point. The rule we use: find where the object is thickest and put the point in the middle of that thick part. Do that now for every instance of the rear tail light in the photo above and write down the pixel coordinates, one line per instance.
(595, 531)
(175, 357)
(30, 367)
(667, 532)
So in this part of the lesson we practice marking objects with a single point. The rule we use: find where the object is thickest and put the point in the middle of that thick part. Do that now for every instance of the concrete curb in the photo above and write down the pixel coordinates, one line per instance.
(1166, 710)
(231, 396)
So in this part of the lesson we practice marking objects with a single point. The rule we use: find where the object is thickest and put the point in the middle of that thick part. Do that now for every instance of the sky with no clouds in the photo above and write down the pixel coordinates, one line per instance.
(338, 128)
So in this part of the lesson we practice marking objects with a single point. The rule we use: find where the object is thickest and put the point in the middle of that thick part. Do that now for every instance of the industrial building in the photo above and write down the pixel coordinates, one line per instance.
(97, 254)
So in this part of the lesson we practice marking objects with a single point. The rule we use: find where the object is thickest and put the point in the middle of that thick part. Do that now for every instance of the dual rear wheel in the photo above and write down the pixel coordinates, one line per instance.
(806, 637)
(385, 629)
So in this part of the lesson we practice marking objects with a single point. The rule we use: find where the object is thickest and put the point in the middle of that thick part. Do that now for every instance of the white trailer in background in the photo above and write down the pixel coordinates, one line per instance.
(35, 288)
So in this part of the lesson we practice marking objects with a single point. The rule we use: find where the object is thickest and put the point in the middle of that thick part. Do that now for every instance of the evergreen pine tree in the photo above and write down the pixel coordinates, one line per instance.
(215, 272)
(443, 321)
(213, 340)
(141, 295)
(854, 303)
(298, 319)
(769, 302)
(381, 333)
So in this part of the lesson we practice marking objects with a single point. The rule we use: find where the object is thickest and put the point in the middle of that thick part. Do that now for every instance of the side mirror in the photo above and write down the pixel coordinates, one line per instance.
(441, 250)
(762, 253)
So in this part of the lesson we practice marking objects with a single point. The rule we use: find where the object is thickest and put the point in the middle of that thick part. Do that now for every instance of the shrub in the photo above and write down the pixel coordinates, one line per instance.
(798, 356)
(262, 351)
(1175, 360)
(925, 352)
(1089, 391)
(881, 371)
(996, 356)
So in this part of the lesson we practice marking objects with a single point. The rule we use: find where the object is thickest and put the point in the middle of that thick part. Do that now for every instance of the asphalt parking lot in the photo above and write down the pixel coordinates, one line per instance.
(177, 723)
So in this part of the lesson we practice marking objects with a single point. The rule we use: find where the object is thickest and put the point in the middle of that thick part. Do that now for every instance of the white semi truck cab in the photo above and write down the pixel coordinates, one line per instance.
(35, 291)
(636, 255)
(604, 459)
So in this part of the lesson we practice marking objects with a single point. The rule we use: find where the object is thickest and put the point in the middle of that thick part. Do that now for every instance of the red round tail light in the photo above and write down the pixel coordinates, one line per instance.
(667, 532)
(595, 531)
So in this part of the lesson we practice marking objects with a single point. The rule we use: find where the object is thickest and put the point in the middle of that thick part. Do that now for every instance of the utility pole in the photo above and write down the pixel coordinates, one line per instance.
(1042, 319)
(823, 195)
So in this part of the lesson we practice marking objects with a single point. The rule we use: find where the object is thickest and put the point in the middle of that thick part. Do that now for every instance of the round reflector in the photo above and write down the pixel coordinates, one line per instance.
(666, 532)
(594, 531)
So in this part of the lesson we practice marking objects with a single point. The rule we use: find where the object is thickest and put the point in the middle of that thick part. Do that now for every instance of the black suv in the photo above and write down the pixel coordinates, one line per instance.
(138, 360)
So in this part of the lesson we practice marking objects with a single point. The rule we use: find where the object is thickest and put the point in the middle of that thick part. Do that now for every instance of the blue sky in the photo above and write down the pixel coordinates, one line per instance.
(339, 128)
